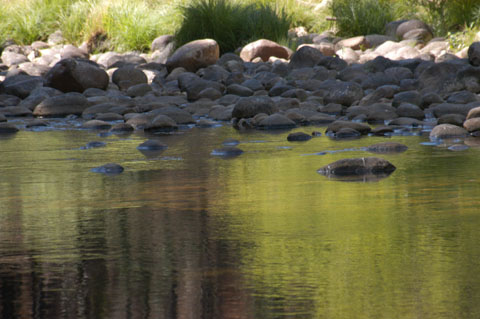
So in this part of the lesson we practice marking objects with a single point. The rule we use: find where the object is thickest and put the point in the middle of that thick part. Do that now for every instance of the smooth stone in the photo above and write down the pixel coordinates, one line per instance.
(37, 123)
(347, 133)
(122, 128)
(276, 121)
(298, 137)
(108, 169)
(447, 131)
(96, 125)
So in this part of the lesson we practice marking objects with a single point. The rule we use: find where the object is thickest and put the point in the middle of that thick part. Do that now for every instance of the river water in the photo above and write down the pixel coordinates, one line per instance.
(184, 234)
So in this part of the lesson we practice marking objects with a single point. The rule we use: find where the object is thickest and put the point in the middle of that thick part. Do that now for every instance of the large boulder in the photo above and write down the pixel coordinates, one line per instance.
(357, 166)
(21, 85)
(305, 57)
(194, 55)
(345, 93)
(250, 106)
(338, 125)
(263, 49)
(72, 75)
(439, 78)
(127, 76)
(447, 131)
(61, 105)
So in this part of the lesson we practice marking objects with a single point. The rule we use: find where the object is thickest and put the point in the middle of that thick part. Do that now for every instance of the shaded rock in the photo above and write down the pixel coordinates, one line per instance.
(357, 166)
(152, 145)
(109, 117)
(387, 147)
(20, 85)
(410, 110)
(276, 121)
(7, 128)
(96, 125)
(347, 133)
(474, 54)
(337, 125)
(178, 115)
(70, 75)
(305, 57)
(227, 152)
(462, 97)
(9, 100)
(412, 97)
(117, 60)
(345, 93)
(382, 130)
(108, 169)
(72, 52)
(447, 131)
(161, 123)
(194, 55)
(320, 119)
(263, 49)
(298, 137)
(121, 128)
(204, 123)
(410, 25)
(221, 113)
(449, 108)
(419, 34)
(405, 121)
(131, 74)
(61, 105)
(455, 119)
(439, 77)
(138, 90)
(250, 106)
(16, 111)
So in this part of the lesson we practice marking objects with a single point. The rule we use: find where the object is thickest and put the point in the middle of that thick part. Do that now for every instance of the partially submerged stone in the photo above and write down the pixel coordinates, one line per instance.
(108, 169)
(227, 151)
(298, 137)
(447, 131)
(357, 166)
(387, 147)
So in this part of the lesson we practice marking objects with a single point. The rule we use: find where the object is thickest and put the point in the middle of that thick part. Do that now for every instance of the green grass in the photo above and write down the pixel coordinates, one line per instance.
(232, 23)
(127, 25)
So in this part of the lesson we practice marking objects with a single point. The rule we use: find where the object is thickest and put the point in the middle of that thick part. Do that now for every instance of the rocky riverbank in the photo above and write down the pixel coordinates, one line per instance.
(373, 84)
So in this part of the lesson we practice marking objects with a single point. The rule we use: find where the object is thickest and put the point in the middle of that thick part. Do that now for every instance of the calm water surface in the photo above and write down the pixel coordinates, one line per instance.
(184, 234)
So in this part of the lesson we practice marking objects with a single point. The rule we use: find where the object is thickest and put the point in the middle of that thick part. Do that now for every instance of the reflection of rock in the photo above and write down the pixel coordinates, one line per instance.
(363, 166)
(365, 178)
(387, 147)
(151, 148)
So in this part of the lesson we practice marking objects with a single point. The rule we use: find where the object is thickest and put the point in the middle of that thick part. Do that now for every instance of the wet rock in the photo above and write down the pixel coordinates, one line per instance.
(462, 97)
(7, 128)
(382, 130)
(194, 55)
(447, 131)
(121, 128)
(298, 137)
(96, 125)
(337, 125)
(387, 147)
(108, 169)
(406, 121)
(357, 166)
(276, 121)
(410, 110)
(109, 117)
(61, 105)
(152, 145)
(71, 75)
(449, 108)
(227, 152)
(37, 123)
(161, 123)
(176, 114)
(347, 133)
(250, 106)
(412, 97)
(263, 49)
(345, 93)
(15, 111)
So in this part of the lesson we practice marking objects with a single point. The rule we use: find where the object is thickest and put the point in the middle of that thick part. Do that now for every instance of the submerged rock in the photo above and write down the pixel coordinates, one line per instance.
(298, 137)
(152, 145)
(108, 169)
(227, 151)
(357, 166)
(387, 147)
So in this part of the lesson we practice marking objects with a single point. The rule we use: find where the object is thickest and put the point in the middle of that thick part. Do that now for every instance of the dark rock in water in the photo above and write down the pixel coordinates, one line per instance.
(61, 105)
(276, 121)
(37, 123)
(387, 147)
(337, 125)
(2, 118)
(122, 128)
(152, 145)
(7, 128)
(458, 147)
(454, 119)
(108, 169)
(227, 151)
(205, 123)
(347, 133)
(96, 125)
(230, 142)
(298, 137)
(250, 106)
(382, 130)
(94, 144)
(358, 167)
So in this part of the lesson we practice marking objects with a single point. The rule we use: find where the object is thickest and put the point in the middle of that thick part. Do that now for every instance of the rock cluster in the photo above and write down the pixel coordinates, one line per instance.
(371, 84)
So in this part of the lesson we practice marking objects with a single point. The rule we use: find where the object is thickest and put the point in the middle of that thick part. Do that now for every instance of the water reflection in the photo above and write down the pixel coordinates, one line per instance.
(260, 235)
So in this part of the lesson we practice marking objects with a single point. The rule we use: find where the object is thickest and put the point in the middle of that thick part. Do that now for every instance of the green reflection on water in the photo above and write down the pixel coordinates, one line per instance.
(291, 242)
